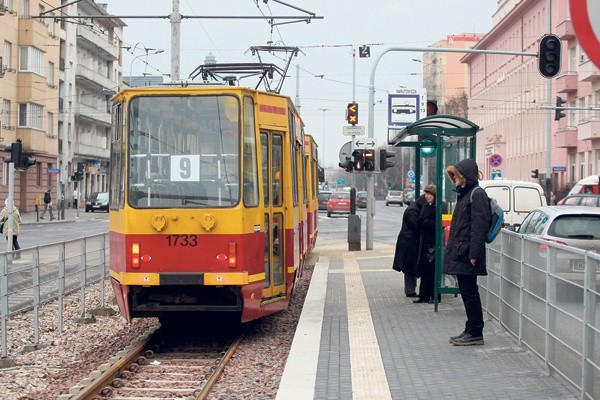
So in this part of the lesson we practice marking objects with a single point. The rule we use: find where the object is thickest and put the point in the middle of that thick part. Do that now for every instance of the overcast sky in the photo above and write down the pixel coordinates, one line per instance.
(326, 43)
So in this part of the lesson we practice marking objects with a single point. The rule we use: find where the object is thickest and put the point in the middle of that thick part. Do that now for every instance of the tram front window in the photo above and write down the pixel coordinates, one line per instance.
(184, 151)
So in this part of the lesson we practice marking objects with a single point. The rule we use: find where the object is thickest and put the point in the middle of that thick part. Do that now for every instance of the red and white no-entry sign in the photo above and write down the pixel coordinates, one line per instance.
(586, 20)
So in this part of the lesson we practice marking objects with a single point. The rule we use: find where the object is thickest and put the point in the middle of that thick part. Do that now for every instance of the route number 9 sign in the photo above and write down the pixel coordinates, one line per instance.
(185, 168)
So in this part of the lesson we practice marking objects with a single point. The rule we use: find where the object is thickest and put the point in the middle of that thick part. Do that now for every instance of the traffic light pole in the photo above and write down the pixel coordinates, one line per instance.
(10, 200)
(371, 124)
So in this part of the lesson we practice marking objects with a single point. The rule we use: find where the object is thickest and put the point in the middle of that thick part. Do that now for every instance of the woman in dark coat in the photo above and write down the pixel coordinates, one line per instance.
(465, 251)
(426, 252)
(405, 259)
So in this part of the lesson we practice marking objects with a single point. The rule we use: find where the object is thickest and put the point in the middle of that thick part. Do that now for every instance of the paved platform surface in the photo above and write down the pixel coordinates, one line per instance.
(359, 337)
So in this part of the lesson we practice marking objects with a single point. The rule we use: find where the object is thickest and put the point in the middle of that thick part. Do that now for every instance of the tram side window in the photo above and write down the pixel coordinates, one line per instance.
(277, 170)
(264, 144)
(116, 172)
(250, 157)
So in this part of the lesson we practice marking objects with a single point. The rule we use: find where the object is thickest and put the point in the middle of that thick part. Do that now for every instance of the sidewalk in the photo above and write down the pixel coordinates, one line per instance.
(70, 215)
(360, 338)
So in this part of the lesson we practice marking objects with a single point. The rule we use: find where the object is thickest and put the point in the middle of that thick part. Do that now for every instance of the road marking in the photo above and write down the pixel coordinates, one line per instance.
(367, 371)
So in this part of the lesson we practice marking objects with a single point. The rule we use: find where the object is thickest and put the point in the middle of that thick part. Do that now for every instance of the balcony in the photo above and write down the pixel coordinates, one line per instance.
(33, 32)
(589, 129)
(89, 151)
(588, 71)
(83, 111)
(566, 137)
(567, 82)
(93, 79)
(98, 43)
(565, 30)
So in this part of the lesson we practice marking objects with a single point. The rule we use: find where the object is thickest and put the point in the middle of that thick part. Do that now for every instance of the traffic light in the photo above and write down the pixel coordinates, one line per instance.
(535, 173)
(549, 56)
(15, 150)
(321, 173)
(352, 113)
(369, 160)
(347, 165)
(359, 159)
(384, 163)
(26, 162)
(427, 150)
(558, 114)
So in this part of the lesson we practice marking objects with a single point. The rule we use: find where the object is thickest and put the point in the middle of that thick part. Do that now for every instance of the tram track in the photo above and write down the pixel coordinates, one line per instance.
(163, 365)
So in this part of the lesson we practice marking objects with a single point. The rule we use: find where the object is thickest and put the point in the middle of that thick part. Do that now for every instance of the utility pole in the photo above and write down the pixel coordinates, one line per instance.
(175, 18)
(548, 188)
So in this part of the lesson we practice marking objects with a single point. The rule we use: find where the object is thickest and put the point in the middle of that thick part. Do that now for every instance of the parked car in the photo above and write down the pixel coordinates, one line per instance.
(394, 197)
(590, 200)
(98, 201)
(323, 198)
(409, 196)
(575, 226)
(517, 198)
(589, 184)
(339, 203)
(361, 199)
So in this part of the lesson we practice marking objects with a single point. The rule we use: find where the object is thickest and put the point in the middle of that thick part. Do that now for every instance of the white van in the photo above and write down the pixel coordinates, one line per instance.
(517, 198)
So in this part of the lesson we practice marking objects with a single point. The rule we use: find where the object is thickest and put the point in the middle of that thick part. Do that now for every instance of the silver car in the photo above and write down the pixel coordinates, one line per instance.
(575, 226)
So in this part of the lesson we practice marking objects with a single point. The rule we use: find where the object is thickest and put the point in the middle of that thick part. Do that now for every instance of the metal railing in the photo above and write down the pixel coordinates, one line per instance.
(548, 297)
(36, 275)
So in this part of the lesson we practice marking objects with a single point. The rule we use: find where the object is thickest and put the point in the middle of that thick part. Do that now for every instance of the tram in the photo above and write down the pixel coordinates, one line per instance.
(213, 201)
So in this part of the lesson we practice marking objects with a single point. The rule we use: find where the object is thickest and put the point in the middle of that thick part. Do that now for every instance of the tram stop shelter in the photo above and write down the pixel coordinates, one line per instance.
(436, 142)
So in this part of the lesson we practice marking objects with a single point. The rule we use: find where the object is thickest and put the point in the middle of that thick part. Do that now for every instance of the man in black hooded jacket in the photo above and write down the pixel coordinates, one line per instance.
(465, 251)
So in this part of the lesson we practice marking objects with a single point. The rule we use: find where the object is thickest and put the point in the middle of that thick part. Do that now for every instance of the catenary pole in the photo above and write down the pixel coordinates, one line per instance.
(175, 18)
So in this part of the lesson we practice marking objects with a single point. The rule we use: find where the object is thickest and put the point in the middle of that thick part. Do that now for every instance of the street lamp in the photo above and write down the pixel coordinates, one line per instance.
(148, 52)
(323, 154)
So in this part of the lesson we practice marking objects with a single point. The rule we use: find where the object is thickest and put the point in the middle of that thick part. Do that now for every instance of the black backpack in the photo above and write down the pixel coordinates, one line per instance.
(47, 198)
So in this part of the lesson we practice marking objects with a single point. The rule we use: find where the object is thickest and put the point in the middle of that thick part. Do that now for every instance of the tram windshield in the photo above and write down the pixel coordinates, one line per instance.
(184, 151)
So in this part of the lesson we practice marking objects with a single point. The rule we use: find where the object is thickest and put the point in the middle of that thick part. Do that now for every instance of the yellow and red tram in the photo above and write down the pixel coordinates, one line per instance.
(213, 201)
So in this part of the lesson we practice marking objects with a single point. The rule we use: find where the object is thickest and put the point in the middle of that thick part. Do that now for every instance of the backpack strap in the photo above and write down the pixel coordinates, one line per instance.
(476, 187)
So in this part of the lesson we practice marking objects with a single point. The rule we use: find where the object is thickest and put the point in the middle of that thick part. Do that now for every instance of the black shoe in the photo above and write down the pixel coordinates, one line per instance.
(453, 338)
(412, 295)
(420, 301)
(468, 340)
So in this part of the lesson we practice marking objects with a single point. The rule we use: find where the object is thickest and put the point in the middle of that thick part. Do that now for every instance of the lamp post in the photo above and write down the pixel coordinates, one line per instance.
(147, 53)
(323, 153)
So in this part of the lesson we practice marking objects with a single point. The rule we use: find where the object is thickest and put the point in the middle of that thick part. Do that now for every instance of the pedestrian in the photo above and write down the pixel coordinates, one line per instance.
(405, 258)
(47, 205)
(75, 197)
(465, 250)
(15, 226)
(426, 246)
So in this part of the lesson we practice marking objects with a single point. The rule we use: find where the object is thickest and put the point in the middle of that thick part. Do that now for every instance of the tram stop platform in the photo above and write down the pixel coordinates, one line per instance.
(359, 337)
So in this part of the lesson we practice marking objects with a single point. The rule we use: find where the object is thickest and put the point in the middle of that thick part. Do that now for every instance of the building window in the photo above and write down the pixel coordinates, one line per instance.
(7, 54)
(31, 60)
(50, 129)
(38, 174)
(25, 13)
(51, 74)
(6, 113)
(30, 115)
(48, 175)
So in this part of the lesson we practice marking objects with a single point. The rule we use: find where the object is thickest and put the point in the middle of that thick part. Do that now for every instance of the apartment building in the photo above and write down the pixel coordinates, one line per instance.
(506, 94)
(56, 80)
(29, 94)
(445, 78)
(90, 74)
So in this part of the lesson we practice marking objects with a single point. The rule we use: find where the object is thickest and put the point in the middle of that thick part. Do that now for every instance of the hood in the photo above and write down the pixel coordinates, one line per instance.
(466, 170)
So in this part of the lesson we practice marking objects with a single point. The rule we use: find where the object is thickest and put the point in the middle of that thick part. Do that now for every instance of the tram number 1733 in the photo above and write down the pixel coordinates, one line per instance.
(182, 240)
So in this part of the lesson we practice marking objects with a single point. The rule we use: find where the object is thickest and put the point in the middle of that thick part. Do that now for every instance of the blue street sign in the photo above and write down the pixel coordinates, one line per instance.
(411, 174)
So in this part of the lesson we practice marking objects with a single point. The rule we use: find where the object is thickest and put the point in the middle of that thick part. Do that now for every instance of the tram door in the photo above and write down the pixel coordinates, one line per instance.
(272, 145)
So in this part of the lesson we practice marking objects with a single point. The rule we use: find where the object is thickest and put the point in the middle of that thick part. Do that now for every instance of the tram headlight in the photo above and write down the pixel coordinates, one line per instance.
(135, 255)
